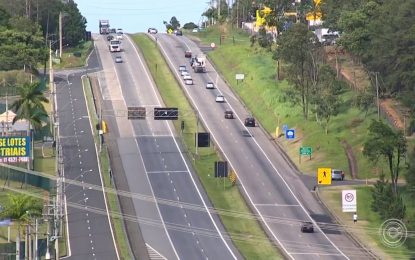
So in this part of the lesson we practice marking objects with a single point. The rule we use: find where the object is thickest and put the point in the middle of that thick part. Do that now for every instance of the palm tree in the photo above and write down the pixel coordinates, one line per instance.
(30, 104)
(30, 107)
(19, 208)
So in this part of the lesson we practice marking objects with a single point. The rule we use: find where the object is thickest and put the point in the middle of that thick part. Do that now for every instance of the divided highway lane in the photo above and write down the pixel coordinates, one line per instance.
(274, 189)
(154, 166)
(90, 234)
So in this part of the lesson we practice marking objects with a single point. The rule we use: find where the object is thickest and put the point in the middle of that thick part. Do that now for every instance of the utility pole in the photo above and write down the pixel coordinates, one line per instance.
(60, 34)
(377, 93)
(237, 14)
(36, 253)
(218, 10)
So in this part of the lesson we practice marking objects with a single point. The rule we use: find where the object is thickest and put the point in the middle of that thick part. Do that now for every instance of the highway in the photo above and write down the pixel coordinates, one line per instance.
(273, 188)
(90, 234)
(154, 165)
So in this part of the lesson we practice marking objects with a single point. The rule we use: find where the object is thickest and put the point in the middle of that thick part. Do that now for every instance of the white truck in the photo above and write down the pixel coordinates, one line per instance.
(199, 63)
(115, 46)
(104, 26)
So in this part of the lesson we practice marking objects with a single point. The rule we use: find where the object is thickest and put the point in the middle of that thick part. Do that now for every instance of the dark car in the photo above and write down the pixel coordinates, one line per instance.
(187, 54)
(307, 227)
(229, 114)
(179, 33)
(249, 121)
(110, 38)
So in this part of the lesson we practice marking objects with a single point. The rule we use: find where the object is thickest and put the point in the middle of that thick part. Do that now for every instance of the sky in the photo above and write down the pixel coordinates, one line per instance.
(138, 15)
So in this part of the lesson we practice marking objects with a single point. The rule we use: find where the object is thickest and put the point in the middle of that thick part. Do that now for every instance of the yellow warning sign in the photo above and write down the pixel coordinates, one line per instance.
(324, 176)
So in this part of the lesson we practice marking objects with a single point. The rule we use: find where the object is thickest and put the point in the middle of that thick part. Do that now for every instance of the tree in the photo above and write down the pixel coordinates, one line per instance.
(298, 47)
(190, 26)
(174, 23)
(383, 142)
(21, 48)
(74, 24)
(365, 101)
(325, 95)
(20, 208)
(384, 202)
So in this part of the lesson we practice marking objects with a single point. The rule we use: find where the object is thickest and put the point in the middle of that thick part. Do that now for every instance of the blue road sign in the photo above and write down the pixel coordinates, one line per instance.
(290, 134)
(284, 128)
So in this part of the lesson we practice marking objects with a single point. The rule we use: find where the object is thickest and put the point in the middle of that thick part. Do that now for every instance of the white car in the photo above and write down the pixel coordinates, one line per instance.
(152, 30)
(220, 98)
(182, 68)
(210, 85)
(188, 81)
(184, 73)
(195, 30)
(186, 77)
(118, 59)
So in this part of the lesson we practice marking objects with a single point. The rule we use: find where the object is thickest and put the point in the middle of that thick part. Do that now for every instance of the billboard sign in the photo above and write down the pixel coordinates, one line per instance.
(14, 149)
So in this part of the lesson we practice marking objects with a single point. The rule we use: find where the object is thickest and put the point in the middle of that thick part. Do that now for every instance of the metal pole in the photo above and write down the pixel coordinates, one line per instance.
(47, 255)
(377, 93)
(60, 34)
(36, 254)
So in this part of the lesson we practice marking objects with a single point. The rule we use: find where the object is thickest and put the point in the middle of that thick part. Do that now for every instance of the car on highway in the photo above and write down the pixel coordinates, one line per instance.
(182, 68)
(249, 121)
(185, 77)
(152, 30)
(220, 98)
(110, 37)
(118, 59)
(307, 227)
(229, 114)
(188, 54)
(337, 175)
(184, 73)
(188, 81)
(210, 85)
(179, 33)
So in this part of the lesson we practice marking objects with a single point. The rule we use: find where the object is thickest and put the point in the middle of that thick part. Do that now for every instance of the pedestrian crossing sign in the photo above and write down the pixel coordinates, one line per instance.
(324, 176)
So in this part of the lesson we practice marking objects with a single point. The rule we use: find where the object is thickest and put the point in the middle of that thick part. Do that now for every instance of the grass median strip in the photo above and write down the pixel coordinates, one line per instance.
(116, 221)
(239, 222)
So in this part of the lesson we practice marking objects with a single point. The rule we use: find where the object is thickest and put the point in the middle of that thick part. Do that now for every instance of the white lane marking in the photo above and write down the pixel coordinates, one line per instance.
(100, 173)
(181, 155)
(275, 205)
(142, 159)
(243, 186)
(168, 172)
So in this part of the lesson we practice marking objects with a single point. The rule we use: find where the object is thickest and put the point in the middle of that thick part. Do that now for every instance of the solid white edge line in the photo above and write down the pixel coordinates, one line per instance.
(100, 172)
(142, 160)
(181, 155)
(269, 161)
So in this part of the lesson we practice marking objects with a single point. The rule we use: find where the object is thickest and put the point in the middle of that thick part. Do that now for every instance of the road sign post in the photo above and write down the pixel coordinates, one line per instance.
(324, 176)
(305, 150)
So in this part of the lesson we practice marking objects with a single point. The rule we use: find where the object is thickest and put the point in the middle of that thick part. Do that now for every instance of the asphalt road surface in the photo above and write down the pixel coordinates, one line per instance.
(152, 160)
(90, 235)
(274, 189)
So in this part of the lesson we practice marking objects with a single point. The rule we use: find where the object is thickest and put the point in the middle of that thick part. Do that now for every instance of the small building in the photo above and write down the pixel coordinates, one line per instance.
(7, 127)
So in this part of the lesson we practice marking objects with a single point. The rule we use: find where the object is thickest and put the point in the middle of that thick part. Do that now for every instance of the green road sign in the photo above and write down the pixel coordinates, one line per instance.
(305, 150)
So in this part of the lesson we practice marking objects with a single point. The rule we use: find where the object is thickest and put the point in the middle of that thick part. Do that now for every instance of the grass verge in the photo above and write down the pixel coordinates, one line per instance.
(113, 205)
(245, 232)
(70, 60)
(367, 227)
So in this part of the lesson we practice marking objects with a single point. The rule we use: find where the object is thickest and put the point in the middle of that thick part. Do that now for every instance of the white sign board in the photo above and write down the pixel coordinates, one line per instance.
(240, 76)
(349, 201)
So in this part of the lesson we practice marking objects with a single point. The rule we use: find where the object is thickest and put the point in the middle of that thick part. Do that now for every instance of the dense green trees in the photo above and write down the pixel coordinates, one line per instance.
(384, 143)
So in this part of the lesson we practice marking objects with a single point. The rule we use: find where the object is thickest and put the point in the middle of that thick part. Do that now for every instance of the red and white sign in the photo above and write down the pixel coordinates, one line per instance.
(349, 201)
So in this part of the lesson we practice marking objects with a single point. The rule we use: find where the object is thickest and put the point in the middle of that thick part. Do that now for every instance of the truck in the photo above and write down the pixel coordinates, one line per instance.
(115, 46)
(199, 63)
(104, 26)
